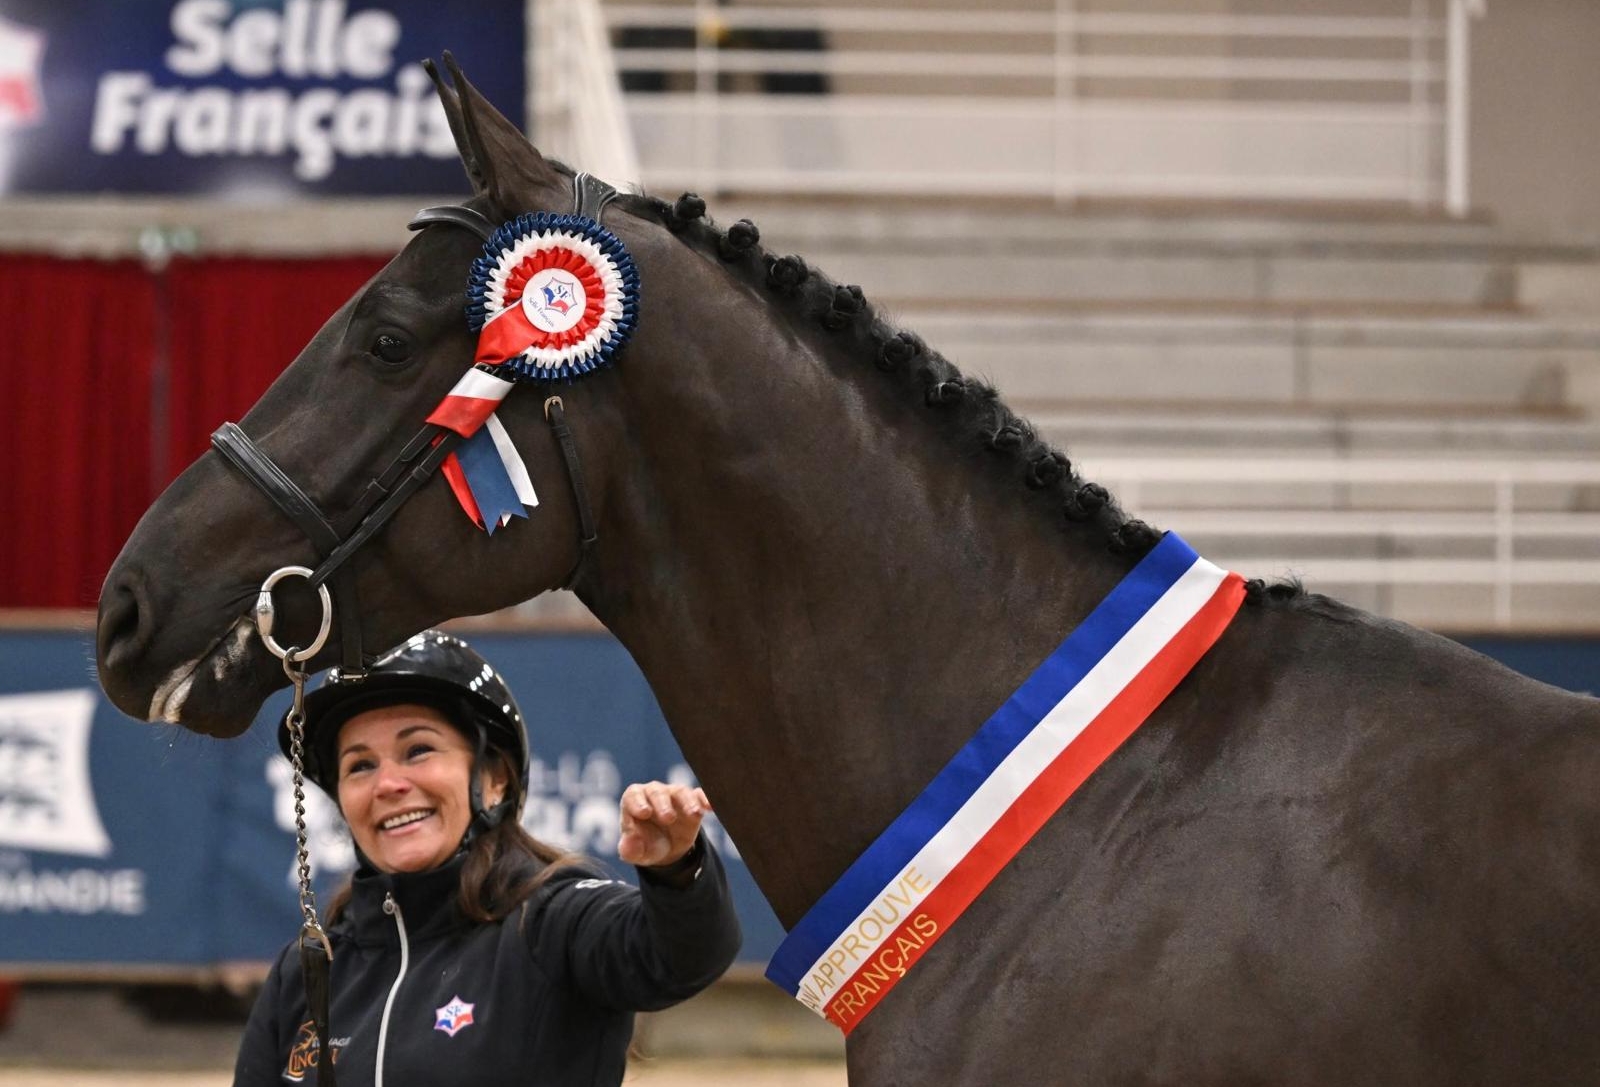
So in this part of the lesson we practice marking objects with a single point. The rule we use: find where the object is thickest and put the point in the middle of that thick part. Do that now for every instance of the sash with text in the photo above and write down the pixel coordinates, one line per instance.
(1066, 719)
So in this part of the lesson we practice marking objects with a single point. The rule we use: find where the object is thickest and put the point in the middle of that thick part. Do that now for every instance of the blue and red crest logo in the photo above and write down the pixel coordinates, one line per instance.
(454, 1017)
(21, 68)
(560, 296)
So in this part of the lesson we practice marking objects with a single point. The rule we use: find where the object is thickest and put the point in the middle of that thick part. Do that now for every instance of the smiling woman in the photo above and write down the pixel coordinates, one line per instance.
(404, 774)
(526, 964)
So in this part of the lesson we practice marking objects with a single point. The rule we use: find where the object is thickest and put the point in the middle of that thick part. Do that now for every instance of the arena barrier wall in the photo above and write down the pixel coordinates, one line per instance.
(129, 849)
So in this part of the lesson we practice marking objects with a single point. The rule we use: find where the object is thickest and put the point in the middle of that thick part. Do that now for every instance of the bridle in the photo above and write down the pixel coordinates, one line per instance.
(337, 539)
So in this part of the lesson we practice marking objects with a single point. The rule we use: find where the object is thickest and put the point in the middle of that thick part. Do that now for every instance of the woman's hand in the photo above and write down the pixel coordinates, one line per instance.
(660, 822)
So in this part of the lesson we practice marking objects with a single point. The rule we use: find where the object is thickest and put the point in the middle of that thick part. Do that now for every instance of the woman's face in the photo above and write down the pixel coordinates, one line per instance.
(403, 773)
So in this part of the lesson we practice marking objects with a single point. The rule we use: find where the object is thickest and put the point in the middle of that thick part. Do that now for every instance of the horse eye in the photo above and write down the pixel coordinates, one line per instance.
(391, 348)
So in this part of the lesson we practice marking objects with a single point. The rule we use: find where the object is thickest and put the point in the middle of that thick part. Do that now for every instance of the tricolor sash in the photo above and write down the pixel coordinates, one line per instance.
(1067, 718)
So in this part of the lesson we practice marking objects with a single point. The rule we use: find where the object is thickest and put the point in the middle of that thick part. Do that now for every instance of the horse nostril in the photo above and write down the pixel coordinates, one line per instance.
(122, 631)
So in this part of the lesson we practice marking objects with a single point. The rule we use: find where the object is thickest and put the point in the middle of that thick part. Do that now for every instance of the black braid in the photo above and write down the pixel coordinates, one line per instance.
(1086, 501)
(1047, 469)
(970, 405)
(844, 307)
(1010, 437)
(685, 210)
(786, 274)
(1134, 537)
(898, 350)
(739, 240)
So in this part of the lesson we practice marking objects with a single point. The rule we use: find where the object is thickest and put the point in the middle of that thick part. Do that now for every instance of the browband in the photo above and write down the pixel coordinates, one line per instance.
(590, 196)
(456, 215)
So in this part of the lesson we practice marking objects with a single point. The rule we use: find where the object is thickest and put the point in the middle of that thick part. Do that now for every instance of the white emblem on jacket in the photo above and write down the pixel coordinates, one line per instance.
(454, 1017)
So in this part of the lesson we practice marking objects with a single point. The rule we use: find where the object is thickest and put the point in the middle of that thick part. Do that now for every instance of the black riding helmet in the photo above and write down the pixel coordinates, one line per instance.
(431, 669)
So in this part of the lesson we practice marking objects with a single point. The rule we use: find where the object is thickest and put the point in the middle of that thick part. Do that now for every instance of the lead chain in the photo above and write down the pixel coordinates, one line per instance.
(297, 758)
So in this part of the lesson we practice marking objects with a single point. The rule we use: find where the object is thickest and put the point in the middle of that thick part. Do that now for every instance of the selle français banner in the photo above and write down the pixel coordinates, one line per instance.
(251, 100)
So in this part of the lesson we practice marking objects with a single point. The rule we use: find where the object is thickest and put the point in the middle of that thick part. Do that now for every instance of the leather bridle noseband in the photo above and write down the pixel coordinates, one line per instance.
(337, 539)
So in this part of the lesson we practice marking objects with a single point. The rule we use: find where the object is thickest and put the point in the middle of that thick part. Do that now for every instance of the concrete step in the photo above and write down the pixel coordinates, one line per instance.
(967, 255)
(1123, 429)
(1163, 272)
(1484, 362)
(868, 222)
(1454, 496)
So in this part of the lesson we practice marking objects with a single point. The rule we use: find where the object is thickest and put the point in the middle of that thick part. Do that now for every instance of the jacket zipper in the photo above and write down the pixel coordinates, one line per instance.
(392, 908)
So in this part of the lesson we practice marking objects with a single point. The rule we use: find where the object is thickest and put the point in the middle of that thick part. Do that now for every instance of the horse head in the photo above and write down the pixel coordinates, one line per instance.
(175, 640)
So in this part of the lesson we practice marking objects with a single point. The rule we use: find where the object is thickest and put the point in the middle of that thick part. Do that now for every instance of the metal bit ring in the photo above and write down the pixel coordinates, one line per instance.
(266, 614)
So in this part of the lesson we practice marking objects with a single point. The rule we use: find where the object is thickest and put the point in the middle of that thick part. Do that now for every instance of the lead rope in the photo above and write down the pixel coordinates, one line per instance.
(316, 953)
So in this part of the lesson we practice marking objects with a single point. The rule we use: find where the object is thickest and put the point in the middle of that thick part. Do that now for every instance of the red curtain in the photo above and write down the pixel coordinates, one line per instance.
(235, 325)
(98, 356)
(75, 392)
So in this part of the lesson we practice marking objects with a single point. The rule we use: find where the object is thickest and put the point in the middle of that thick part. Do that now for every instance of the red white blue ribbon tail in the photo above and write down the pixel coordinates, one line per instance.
(492, 472)
(453, 475)
(486, 472)
(1067, 718)
(474, 398)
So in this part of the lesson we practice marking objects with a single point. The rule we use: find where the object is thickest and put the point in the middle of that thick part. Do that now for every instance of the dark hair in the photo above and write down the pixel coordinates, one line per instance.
(505, 866)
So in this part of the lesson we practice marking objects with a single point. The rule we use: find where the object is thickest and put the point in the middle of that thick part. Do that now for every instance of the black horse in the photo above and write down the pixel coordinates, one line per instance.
(1342, 851)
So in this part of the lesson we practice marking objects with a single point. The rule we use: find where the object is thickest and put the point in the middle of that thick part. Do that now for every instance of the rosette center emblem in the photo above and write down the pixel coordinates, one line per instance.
(554, 300)
(553, 296)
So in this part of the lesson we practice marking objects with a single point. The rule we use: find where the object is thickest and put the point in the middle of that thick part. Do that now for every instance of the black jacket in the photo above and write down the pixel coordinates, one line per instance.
(545, 996)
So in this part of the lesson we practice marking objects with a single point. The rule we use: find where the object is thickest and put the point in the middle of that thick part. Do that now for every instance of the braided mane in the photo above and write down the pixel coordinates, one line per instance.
(969, 411)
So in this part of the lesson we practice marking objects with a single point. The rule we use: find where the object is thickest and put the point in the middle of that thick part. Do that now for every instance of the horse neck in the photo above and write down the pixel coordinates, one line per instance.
(826, 607)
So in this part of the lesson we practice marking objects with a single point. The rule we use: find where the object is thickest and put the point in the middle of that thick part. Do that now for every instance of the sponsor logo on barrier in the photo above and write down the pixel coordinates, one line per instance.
(47, 805)
(46, 800)
(75, 891)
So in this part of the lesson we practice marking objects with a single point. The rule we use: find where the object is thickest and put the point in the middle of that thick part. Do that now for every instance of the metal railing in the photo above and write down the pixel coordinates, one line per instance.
(1050, 100)
(1494, 525)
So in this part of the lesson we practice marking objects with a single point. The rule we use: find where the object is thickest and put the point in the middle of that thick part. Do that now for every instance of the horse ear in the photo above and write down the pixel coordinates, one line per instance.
(499, 158)
(458, 126)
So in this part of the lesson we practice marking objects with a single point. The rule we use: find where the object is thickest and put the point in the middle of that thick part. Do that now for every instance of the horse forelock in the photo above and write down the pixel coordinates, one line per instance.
(968, 411)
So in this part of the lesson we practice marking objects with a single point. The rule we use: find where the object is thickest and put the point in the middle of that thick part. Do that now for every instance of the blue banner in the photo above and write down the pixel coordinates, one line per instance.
(250, 100)
(127, 845)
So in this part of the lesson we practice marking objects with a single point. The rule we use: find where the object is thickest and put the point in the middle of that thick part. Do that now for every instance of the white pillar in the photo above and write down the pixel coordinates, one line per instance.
(1458, 102)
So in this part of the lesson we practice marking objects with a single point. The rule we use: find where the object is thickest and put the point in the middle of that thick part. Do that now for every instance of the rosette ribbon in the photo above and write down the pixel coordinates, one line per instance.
(552, 297)
(486, 473)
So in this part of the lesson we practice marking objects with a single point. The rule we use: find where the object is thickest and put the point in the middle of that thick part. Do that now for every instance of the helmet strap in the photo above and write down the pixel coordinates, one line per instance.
(484, 818)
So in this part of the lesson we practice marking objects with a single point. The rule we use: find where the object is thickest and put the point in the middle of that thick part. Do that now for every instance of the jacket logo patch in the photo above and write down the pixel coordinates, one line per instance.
(454, 1017)
(303, 1053)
